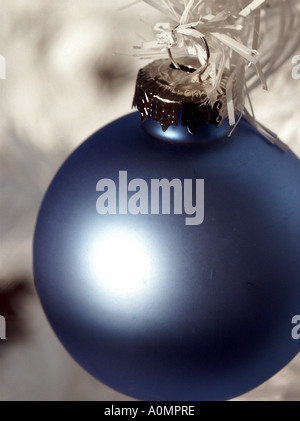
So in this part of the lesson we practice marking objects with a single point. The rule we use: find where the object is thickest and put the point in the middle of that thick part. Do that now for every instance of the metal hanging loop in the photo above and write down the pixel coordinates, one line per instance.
(203, 68)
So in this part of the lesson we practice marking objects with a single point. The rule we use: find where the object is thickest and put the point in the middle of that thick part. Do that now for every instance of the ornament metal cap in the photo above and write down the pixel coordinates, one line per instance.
(174, 94)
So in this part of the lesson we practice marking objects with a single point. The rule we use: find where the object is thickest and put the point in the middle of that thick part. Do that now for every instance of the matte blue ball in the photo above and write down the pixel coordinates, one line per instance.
(158, 309)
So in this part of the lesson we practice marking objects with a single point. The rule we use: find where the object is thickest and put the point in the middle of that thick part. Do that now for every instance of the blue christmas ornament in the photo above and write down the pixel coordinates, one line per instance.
(166, 254)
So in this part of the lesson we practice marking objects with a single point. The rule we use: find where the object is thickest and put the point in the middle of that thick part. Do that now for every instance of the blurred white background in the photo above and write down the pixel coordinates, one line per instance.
(63, 82)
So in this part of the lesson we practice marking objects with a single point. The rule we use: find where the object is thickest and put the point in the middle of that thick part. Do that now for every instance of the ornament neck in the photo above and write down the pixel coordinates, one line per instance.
(179, 134)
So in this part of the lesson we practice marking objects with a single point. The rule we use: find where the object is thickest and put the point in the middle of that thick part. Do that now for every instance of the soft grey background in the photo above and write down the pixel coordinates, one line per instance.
(64, 82)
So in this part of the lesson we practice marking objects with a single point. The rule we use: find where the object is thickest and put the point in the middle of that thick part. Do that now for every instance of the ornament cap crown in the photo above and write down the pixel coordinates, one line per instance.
(177, 95)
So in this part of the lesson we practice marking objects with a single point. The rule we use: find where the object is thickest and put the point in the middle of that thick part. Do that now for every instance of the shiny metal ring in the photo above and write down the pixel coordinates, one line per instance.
(203, 68)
